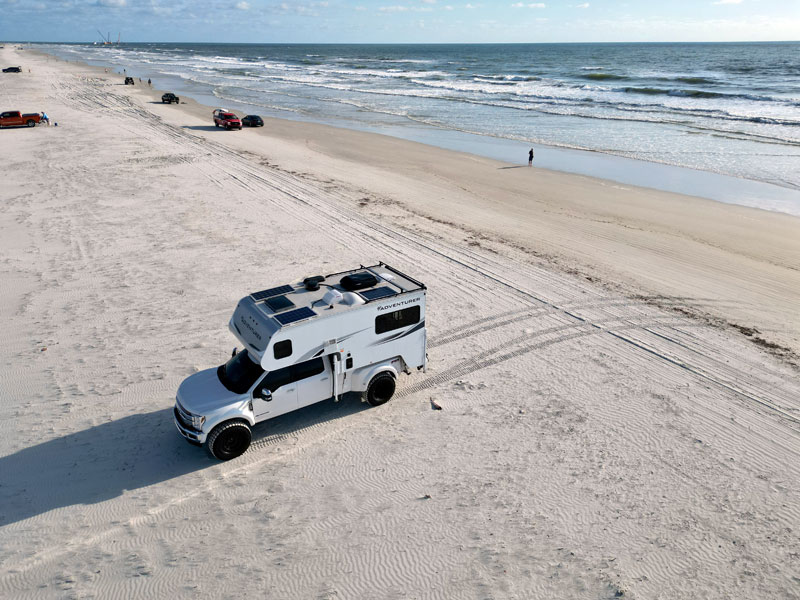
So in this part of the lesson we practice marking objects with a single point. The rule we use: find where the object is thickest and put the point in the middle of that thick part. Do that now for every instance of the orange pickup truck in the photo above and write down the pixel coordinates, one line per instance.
(13, 118)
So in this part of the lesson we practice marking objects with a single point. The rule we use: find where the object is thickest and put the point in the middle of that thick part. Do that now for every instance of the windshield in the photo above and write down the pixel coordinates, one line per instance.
(239, 373)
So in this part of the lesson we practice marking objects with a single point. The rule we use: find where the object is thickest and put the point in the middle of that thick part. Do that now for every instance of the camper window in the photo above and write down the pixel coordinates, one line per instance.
(282, 349)
(397, 319)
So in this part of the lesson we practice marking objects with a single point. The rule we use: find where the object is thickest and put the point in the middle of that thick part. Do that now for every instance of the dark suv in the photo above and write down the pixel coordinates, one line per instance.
(252, 121)
(169, 98)
(12, 70)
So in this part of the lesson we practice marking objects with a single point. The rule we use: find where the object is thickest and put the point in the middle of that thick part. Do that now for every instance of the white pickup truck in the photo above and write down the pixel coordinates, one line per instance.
(354, 331)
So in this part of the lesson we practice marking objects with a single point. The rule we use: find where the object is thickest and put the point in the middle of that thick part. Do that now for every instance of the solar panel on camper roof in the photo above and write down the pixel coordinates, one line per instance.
(278, 303)
(295, 315)
(381, 292)
(276, 291)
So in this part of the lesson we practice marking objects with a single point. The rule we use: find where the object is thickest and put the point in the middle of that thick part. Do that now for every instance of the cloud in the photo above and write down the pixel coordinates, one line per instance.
(112, 3)
(305, 10)
(584, 5)
(534, 5)
(401, 8)
(728, 2)
(243, 6)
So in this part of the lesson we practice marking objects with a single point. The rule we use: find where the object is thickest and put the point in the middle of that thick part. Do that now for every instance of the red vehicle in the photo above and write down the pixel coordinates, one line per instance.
(225, 118)
(13, 118)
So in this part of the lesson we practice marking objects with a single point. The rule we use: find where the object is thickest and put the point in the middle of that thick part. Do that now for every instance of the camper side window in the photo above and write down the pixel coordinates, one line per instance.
(282, 349)
(397, 319)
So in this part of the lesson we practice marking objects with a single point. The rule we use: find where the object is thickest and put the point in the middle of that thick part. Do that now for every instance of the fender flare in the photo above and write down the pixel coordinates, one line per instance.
(364, 376)
(232, 414)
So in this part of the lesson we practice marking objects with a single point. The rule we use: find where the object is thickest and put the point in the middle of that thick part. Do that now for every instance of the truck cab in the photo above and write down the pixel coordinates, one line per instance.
(13, 118)
(227, 119)
(306, 343)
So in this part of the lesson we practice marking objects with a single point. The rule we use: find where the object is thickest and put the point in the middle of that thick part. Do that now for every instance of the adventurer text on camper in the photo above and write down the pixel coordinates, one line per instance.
(251, 328)
(397, 304)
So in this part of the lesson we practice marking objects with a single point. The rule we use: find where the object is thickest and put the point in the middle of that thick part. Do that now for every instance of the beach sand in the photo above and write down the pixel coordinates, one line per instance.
(617, 368)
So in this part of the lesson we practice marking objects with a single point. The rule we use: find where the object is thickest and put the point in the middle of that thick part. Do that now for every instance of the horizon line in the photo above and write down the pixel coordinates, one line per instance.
(94, 42)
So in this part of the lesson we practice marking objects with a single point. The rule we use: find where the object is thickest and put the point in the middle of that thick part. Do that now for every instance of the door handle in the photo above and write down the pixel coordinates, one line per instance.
(291, 390)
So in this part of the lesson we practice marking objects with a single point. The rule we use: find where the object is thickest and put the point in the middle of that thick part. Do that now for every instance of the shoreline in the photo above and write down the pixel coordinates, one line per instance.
(609, 166)
(577, 223)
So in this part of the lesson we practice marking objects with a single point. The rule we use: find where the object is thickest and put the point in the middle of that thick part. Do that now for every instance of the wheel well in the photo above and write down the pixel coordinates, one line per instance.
(388, 369)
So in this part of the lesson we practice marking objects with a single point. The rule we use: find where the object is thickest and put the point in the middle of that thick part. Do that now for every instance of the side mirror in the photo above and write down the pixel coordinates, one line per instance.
(233, 353)
(266, 395)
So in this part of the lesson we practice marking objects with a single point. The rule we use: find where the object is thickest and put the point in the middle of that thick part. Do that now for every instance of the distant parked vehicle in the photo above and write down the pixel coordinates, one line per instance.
(13, 118)
(252, 121)
(129, 81)
(225, 118)
(12, 70)
(169, 98)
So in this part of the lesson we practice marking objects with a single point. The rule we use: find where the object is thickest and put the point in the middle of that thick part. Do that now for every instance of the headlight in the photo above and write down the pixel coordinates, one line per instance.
(197, 422)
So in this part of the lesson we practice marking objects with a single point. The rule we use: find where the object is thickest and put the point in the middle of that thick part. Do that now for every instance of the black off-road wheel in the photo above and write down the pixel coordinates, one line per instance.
(31, 123)
(380, 389)
(229, 440)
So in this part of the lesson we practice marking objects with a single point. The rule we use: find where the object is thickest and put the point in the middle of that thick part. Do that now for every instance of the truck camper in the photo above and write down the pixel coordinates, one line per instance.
(305, 342)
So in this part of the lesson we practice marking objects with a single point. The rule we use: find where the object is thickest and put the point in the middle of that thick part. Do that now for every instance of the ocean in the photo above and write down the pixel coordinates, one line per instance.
(730, 109)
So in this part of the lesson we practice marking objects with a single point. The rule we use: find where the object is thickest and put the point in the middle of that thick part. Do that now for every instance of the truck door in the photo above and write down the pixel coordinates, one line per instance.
(314, 381)
(283, 397)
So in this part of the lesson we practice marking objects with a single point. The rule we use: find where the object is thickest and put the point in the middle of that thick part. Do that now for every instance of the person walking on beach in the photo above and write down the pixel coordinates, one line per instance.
(530, 158)
(45, 118)
(150, 83)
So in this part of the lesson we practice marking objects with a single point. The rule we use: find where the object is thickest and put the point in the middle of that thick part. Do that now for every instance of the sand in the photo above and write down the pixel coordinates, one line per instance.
(617, 369)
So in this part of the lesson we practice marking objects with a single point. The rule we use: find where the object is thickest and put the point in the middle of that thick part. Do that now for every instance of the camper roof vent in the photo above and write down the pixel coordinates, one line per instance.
(352, 299)
(358, 281)
(312, 283)
(332, 297)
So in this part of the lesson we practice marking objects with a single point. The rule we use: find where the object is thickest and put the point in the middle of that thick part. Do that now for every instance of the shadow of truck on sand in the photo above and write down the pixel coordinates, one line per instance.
(102, 462)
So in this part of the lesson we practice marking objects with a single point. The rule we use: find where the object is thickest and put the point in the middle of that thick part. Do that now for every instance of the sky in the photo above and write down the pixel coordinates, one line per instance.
(400, 21)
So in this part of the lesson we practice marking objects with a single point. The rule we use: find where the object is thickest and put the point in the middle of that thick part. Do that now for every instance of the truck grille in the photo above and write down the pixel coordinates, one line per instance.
(183, 416)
